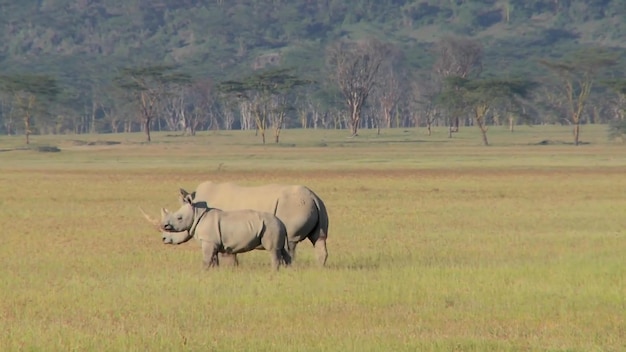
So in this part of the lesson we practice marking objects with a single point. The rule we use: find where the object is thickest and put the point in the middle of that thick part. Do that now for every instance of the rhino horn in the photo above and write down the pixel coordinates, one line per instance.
(150, 219)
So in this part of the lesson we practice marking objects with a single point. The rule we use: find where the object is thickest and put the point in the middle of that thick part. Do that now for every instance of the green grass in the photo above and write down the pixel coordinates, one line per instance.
(434, 245)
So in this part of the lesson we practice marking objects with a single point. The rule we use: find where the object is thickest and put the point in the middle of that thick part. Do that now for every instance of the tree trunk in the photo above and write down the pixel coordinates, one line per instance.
(511, 124)
(576, 132)
(355, 119)
(480, 111)
(27, 128)
(146, 126)
(276, 135)
(304, 118)
(483, 131)
(94, 108)
(388, 118)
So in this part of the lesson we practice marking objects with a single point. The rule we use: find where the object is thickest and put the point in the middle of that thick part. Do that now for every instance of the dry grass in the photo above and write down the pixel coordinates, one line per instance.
(434, 246)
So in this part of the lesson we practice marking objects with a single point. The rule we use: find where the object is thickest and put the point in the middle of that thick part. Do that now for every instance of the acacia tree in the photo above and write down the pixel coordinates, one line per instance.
(457, 57)
(266, 95)
(577, 75)
(354, 66)
(29, 93)
(147, 85)
(479, 96)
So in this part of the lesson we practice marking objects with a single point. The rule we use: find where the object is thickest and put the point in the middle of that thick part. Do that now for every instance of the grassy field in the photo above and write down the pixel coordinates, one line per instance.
(435, 244)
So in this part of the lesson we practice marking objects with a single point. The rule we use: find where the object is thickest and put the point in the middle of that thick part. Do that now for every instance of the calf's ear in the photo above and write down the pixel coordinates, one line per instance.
(188, 199)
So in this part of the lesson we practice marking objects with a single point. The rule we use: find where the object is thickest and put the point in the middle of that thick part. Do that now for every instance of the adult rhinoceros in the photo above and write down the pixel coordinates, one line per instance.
(300, 209)
(231, 232)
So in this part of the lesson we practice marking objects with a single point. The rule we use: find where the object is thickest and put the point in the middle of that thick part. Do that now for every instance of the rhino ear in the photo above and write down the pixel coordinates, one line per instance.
(188, 199)
(183, 195)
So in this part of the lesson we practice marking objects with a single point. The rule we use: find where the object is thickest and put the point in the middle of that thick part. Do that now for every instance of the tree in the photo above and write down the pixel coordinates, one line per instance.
(482, 95)
(577, 75)
(265, 94)
(617, 127)
(424, 93)
(354, 66)
(29, 93)
(203, 95)
(147, 85)
(457, 57)
(388, 93)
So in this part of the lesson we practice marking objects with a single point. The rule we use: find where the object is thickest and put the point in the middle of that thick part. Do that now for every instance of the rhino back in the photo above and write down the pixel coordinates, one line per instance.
(294, 205)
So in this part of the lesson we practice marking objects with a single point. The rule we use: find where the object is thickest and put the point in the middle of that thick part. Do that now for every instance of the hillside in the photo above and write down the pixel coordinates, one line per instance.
(85, 45)
(218, 38)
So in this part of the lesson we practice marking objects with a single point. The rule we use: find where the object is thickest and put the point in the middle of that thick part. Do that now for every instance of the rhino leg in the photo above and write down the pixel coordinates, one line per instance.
(321, 252)
(318, 239)
(209, 251)
(229, 259)
(292, 250)
(276, 257)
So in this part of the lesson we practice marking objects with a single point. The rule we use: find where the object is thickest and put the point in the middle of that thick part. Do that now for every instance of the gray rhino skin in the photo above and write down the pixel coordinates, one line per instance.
(300, 209)
(230, 232)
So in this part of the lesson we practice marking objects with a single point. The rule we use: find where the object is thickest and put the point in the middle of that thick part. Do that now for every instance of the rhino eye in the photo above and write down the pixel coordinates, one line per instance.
(179, 217)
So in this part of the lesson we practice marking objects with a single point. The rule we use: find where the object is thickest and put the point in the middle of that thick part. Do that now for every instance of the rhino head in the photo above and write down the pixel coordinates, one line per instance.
(180, 220)
(171, 236)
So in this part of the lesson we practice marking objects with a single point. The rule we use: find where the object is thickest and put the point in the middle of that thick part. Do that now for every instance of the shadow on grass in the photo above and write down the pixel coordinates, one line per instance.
(14, 149)
(78, 142)
(41, 149)
(553, 142)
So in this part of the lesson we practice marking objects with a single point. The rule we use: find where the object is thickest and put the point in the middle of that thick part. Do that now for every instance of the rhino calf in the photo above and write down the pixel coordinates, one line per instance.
(230, 232)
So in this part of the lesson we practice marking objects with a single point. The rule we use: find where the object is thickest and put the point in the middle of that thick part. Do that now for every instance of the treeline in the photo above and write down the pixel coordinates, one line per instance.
(118, 66)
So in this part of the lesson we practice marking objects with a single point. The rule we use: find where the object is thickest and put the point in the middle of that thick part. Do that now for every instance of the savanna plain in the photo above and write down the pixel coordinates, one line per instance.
(435, 244)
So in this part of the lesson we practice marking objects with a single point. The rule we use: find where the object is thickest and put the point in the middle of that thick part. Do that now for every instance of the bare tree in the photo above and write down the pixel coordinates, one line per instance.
(201, 110)
(173, 109)
(354, 68)
(227, 113)
(148, 85)
(424, 91)
(457, 57)
(389, 91)
(577, 75)
(278, 106)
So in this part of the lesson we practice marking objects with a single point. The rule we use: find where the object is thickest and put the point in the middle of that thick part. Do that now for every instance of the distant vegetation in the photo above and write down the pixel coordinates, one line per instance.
(93, 66)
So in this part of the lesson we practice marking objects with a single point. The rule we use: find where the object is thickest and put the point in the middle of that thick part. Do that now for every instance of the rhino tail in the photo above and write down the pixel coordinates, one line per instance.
(285, 256)
(320, 231)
